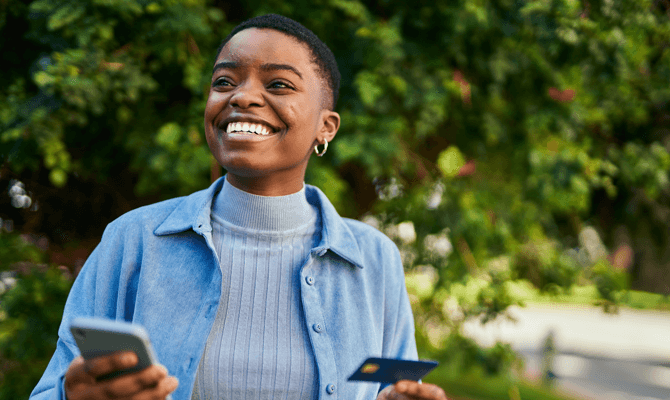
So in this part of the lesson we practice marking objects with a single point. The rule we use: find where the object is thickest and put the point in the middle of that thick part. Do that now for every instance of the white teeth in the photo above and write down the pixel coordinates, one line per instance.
(257, 129)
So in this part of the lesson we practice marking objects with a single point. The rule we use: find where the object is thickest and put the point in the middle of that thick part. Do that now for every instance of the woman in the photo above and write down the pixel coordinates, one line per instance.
(255, 287)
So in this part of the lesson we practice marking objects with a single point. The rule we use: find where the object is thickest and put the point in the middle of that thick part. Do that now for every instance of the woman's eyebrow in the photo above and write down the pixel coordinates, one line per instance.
(225, 65)
(285, 67)
(264, 67)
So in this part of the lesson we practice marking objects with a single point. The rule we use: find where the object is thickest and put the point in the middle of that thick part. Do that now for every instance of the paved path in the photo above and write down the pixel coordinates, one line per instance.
(600, 356)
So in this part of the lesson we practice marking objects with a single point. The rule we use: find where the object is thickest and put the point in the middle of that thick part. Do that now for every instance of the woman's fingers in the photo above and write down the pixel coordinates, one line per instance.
(423, 391)
(76, 373)
(150, 383)
(136, 382)
(85, 372)
(166, 386)
(103, 365)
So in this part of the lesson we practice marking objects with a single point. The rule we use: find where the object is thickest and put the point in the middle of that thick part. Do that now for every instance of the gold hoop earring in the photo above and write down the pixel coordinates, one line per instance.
(325, 147)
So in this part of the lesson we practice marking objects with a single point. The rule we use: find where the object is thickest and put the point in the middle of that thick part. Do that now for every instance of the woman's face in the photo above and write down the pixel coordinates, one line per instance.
(265, 114)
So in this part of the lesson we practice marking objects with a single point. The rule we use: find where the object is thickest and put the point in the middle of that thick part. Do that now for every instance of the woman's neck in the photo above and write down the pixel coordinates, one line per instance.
(271, 185)
(265, 213)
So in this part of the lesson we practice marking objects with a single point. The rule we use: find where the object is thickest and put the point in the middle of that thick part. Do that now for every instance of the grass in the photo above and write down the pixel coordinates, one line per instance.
(585, 295)
(477, 386)
(646, 301)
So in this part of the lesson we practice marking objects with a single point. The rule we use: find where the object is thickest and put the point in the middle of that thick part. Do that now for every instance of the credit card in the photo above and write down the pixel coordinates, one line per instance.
(390, 370)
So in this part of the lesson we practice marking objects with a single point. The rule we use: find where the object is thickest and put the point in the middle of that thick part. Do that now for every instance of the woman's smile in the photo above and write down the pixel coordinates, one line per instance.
(246, 128)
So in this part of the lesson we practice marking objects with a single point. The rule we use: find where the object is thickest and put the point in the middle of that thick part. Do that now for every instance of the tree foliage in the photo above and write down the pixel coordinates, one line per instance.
(497, 131)
(30, 313)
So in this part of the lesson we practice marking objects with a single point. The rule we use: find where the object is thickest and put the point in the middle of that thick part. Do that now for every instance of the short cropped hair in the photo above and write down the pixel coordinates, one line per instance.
(321, 54)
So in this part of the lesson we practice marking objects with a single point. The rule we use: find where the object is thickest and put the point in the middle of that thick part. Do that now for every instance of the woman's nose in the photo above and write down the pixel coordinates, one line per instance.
(248, 95)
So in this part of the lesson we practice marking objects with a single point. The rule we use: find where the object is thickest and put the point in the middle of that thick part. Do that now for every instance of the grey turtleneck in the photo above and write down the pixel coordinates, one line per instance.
(259, 347)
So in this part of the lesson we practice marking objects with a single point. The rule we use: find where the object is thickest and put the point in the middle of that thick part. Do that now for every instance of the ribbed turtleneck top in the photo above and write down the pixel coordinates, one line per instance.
(259, 347)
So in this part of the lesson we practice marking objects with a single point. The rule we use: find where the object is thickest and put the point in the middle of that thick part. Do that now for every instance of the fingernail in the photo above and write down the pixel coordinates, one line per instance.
(129, 358)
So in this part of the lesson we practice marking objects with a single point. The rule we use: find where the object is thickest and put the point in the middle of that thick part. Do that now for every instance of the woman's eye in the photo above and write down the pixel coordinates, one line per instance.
(280, 85)
(221, 82)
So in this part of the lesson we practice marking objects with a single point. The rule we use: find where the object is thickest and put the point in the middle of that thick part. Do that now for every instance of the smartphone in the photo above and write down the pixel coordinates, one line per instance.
(97, 337)
(390, 370)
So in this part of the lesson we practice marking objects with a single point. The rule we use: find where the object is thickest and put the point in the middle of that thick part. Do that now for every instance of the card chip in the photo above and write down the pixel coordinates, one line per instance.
(370, 368)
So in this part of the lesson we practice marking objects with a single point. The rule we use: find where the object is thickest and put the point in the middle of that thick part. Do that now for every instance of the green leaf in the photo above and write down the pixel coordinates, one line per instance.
(58, 177)
(368, 89)
(169, 135)
(450, 161)
(43, 79)
(65, 15)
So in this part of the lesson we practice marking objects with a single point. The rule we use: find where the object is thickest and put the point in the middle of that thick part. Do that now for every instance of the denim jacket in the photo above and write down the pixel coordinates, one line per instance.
(156, 266)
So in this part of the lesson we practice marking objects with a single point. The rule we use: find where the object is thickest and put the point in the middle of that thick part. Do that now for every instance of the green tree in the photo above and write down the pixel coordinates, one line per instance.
(30, 313)
(484, 137)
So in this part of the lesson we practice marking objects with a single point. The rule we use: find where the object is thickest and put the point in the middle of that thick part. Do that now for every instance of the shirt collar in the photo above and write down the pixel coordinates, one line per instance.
(193, 212)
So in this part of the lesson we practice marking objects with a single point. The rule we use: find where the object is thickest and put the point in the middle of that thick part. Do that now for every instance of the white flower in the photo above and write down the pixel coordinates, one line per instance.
(17, 192)
(406, 232)
(452, 310)
(387, 190)
(438, 245)
(17, 189)
(435, 198)
(21, 201)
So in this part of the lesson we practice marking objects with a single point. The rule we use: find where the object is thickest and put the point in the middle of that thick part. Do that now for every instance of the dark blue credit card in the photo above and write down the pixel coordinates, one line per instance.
(389, 370)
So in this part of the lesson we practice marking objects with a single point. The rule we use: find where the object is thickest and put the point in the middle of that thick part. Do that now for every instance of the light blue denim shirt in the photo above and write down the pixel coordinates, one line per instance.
(156, 266)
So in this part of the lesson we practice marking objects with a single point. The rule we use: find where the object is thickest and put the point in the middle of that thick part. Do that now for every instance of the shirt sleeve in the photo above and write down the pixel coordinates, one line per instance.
(399, 341)
(52, 384)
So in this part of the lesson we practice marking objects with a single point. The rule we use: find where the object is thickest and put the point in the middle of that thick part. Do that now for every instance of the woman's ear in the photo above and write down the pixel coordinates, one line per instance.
(330, 123)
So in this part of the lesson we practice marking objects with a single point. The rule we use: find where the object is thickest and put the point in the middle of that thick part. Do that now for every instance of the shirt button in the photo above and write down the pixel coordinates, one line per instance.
(309, 280)
(330, 389)
(317, 328)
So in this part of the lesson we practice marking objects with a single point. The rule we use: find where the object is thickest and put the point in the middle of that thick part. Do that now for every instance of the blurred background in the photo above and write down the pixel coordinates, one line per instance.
(516, 151)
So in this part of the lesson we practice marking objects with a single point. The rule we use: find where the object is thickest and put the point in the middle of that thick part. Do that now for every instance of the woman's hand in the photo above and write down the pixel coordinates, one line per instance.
(148, 384)
(411, 390)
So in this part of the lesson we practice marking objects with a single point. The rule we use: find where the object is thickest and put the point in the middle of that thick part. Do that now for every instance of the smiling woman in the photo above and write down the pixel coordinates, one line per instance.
(267, 78)
(255, 287)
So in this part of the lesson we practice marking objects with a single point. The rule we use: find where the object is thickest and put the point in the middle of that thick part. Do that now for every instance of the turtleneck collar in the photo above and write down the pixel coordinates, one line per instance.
(263, 213)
